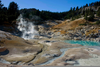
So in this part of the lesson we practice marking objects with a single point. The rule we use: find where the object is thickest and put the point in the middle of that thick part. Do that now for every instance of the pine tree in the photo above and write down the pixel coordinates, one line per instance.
(1, 13)
(86, 5)
(13, 8)
(1, 5)
(77, 8)
(98, 12)
(86, 16)
(13, 11)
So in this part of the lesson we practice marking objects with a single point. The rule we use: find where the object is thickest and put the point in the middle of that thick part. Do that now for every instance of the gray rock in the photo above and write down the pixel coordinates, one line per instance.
(4, 61)
(71, 62)
(14, 62)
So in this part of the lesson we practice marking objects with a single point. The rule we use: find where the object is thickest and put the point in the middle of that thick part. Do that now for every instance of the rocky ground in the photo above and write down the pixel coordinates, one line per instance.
(15, 51)
(72, 30)
(48, 49)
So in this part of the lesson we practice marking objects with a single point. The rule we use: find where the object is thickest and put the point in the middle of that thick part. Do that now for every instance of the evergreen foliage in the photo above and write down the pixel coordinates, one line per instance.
(73, 13)
(98, 12)
(98, 22)
(10, 14)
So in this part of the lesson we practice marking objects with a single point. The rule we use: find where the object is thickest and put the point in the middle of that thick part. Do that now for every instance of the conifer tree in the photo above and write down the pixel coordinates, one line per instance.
(13, 11)
(98, 12)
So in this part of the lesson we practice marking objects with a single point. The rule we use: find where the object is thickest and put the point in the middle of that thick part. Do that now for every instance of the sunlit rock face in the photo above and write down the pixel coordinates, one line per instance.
(14, 49)
(27, 29)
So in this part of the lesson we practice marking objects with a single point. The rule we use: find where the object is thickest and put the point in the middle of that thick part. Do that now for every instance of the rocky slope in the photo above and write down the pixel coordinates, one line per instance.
(72, 55)
(73, 30)
(16, 50)
(49, 49)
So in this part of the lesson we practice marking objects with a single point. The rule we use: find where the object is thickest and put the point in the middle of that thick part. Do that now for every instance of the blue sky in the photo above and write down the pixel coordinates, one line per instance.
(49, 5)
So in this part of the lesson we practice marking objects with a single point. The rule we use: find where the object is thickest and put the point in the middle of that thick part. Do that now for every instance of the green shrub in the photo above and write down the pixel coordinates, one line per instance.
(91, 18)
(98, 22)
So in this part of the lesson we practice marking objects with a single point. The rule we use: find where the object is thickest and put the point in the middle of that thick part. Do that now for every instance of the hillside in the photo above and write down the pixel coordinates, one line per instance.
(68, 25)
(71, 25)
(73, 13)
(44, 38)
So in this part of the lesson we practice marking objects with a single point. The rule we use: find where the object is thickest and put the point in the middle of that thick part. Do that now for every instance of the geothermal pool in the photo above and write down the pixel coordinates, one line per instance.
(84, 43)
(90, 44)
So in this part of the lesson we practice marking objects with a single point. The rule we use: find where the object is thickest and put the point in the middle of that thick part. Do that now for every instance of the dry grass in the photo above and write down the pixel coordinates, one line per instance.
(65, 25)
(60, 25)
(62, 32)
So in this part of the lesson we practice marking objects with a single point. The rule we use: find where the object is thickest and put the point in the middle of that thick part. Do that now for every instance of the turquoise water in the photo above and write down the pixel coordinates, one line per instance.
(84, 43)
